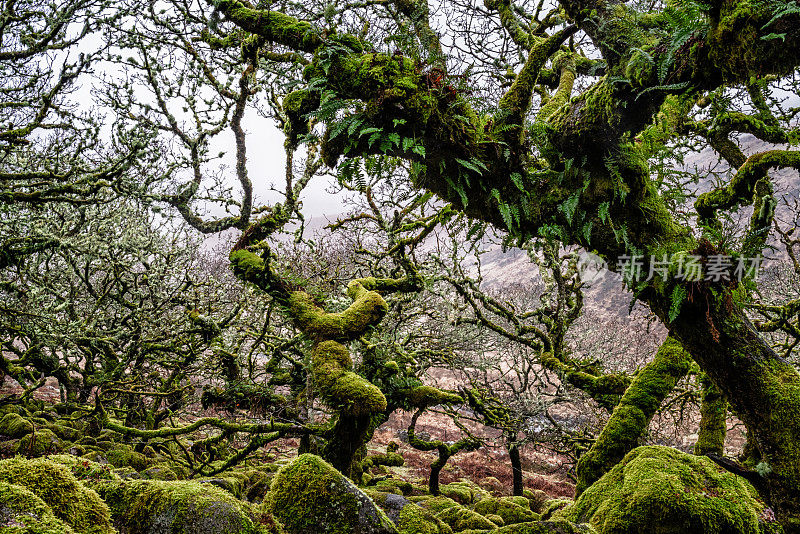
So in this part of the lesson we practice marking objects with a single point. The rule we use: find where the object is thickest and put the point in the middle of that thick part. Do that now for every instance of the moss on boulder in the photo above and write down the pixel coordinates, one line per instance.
(510, 511)
(662, 490)
(182, 507)
(434, 504)
(463, 492)
(39, 443)
(84, 470)
(22, 512)
(559, 526)
(15, 426)
(460, 519)
(70, 501)
(416, 520)
(308, 496)
(124, 456)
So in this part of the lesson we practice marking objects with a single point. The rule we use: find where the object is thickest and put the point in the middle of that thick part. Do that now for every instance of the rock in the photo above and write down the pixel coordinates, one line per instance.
(39, 443)
(676, 491)
(394, 504)
(460, 519)
(178, 507)
(414, 520)
(505, 507)
(22, 511)
(15, 426)
(308, 496)
(70, 501)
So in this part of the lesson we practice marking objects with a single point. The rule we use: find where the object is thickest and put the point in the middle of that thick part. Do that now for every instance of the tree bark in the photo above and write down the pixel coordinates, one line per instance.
(633, 414)
(762, 388)
(713, 420)
(516, 468)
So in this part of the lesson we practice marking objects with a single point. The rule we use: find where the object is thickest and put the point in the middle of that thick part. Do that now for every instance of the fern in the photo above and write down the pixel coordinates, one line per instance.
(516, 178)
(569, 206)
(781, 10)
(685, 21)
(676, 300)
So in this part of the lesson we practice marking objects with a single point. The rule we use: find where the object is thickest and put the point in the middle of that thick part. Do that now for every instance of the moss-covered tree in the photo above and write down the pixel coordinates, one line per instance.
(578, 169)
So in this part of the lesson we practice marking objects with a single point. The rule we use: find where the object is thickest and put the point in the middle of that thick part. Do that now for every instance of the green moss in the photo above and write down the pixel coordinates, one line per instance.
(341, 388)
(124, 456)
(435, 504)
(425, 396)
(496, 519)
(460, 518)
(713, 420)
(183, 507)
(22, 512)
(367, 309)
(161, 472)
(665, 487)
(232, 484)
(507, 509)
(79, 507)
(83, 469)
(296, 105)
(632, 415)
(39, 443)
(554, 505)
(559, 526)
(463, 492)
(415, 520)
(641, 69)
(310, 496)
(15, 426)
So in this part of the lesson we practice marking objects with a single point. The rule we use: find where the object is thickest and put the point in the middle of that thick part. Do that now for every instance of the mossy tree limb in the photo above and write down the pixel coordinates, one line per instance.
(633, 414)
(713, 420)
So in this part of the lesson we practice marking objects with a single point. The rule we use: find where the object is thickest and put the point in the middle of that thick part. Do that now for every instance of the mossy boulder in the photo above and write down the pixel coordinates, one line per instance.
(15, 426)
(178, 507)
(464, 492)
(232, 484)
(22, 512)
(70, 501)
(64, 432)
(124, 456)
(308, 496)
(559, 526)
(413, 519)
(659, 490)
(554, 505)
(505, 507)
(39, 443)
(435, 504)
(84, 470)
(459, 519)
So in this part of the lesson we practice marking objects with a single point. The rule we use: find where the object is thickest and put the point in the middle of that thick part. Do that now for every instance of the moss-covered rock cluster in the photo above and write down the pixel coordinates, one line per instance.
(659, 489)
(104, 486)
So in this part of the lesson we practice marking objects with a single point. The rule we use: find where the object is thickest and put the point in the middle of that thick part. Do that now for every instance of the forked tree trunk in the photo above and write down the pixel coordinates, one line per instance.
(633, 414)
(762, 388)
(713, 420)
